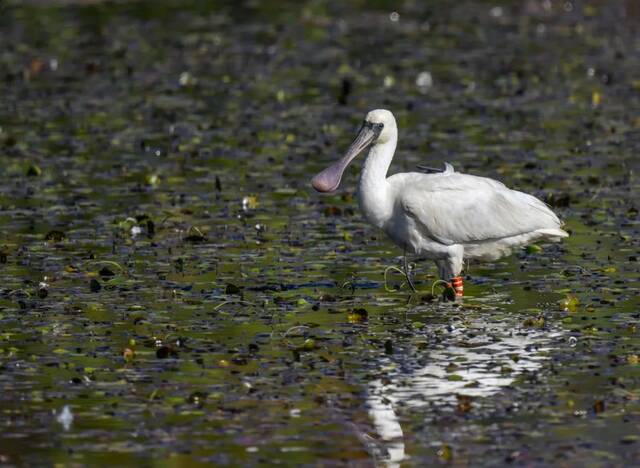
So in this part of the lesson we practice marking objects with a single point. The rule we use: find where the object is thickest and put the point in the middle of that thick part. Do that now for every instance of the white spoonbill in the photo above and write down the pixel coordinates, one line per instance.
(447, 217)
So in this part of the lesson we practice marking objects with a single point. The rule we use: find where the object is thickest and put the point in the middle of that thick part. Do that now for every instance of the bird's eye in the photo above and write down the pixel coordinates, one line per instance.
(380, 126)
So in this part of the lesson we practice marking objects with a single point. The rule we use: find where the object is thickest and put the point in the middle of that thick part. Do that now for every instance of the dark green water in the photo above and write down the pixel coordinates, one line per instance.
(172, 292)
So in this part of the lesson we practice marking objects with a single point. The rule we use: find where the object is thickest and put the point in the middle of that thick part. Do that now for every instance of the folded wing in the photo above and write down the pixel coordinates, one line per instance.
(460, 208)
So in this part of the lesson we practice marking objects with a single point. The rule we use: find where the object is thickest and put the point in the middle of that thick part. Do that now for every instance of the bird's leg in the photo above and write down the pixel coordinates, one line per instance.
(450, 269)
(454, 290)
(407, 273)
(457, 285)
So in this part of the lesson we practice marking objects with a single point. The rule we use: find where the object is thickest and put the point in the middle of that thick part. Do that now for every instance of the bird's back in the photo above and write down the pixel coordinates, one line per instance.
(455, 208)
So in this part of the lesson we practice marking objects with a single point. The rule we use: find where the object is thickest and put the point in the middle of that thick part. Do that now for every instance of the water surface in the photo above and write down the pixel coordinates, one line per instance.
(172, 289)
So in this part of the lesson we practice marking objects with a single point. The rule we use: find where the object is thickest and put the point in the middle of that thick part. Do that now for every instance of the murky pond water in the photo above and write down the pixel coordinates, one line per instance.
(173, 290)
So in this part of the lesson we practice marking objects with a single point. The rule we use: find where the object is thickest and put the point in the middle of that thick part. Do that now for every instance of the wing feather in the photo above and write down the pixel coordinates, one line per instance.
(458, 208)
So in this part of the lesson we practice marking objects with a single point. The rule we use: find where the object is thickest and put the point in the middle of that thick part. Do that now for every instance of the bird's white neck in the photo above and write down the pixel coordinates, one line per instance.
(376, 201)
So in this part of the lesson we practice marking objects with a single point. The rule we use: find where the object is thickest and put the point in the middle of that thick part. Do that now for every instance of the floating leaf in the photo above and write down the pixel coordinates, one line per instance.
(570, 303)
(308, 345)
(598, 406)
(388, 347)
(127, 224)
(464, 403)
(535, 322)
(630, 439)
(452, 367)
(332, 211)
(106, 272)
(43, 290)
(152, 180)
(285, 191)
(187, 79)
(249, 202)
(128, 354)
(596, 99)
(197, 398)
(559, 200)
(195, 235)
(533, 248)
(445, 453)
(55, 236)
(358, 315)
(164, 352)
(34, 170)
(94, 285)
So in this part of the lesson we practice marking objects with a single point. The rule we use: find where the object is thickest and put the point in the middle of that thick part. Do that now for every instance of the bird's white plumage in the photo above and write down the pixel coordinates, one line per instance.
(447, 216)
(455, 208)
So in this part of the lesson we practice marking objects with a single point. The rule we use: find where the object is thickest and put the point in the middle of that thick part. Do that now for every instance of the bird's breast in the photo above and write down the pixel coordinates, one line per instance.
(376, 203)
(402, 230)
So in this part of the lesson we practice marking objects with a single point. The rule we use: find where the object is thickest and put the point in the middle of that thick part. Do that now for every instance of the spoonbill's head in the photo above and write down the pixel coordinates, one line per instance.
(379, 126)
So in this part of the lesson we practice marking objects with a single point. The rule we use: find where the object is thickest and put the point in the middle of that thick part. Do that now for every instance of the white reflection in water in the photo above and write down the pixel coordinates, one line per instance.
(476, 359)
(65, 417)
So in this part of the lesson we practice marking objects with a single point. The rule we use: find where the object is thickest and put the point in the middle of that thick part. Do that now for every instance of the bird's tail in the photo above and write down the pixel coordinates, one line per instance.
(553, 233)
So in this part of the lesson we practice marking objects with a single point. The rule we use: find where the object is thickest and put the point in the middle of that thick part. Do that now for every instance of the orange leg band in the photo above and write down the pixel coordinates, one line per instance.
(456, 284)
